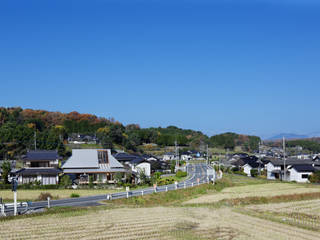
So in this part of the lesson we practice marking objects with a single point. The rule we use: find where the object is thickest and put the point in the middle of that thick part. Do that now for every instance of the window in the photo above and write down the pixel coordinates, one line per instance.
(304, 175)
(103, 157)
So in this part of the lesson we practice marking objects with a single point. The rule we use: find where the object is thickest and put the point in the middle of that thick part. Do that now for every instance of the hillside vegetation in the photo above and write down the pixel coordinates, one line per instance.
(20, 127)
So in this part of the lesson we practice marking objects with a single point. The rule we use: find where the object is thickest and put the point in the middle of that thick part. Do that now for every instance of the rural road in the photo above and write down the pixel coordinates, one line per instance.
(195, 171)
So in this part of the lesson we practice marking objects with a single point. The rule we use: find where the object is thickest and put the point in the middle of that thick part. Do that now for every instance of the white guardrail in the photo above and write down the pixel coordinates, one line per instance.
(9, 206)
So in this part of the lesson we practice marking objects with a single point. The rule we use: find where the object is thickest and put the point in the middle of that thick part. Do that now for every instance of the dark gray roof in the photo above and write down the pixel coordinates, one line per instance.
(137, 160)
(38, 171)
(254, 164)
(279, 162)
(304, 168)
(124, 157)
(41, 155)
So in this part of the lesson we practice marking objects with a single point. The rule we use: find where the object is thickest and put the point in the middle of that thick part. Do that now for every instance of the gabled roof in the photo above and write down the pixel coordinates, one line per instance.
(124, 156)
(254, 164)
(88, 158)
(279, 162)
(303, 168)
(138, 160)
(41, 155)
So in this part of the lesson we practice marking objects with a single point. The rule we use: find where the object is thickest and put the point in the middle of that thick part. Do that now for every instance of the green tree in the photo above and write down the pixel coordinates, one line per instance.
(118, 178)
(91, 181)
(65, 181)
(6, 169)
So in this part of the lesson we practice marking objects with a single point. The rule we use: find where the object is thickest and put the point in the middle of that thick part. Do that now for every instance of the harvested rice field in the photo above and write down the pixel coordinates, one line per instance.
(152, 223)
(255, 190)
(169, 218)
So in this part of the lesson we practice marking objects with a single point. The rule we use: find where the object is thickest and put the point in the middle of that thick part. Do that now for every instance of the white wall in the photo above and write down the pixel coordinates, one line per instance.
(186, 157)
(297, 176)
(247, 170)
(168, 157)
(143, 167)
(270, 167)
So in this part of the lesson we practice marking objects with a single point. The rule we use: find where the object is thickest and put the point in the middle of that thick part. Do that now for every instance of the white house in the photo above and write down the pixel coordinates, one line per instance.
(273, 170)
(300, 173)
(142, 167)
(169, 156)
(249, 166)
(186, 157)
(296, 170)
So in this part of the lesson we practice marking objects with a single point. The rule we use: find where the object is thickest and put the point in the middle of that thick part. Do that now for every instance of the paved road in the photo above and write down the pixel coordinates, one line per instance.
(195, 172)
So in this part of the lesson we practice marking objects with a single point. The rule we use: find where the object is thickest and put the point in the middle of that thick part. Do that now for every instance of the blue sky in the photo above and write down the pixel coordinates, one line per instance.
(251, 67)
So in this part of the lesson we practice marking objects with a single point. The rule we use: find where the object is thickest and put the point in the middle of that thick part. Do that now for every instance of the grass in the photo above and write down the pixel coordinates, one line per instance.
(166, 198)
(32, 195)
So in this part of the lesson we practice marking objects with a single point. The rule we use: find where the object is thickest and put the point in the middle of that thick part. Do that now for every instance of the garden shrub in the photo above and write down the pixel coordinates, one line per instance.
(74, 195)
(44, 196)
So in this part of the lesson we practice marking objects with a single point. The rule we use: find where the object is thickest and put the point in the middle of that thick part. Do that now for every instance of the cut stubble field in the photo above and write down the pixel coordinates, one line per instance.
(255, 190)
(151, 223)
(131, 219)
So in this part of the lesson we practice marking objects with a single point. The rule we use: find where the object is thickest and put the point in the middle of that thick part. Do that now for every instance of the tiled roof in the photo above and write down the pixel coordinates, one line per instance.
(42, 155)
(38, 171)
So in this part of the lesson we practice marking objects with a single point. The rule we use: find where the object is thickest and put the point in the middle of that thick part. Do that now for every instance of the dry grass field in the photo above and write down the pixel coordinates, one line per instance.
(255, 190)
(124, 220)
(151, 223)
(32, 195)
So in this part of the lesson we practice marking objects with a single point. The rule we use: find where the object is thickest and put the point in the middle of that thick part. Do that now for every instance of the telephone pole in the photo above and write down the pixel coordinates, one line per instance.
(176, 153)
(207, 154)
(284, 160)
(35, 140)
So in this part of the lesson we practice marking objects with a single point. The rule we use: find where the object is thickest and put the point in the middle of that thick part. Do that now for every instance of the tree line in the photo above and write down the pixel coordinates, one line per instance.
(20, 127)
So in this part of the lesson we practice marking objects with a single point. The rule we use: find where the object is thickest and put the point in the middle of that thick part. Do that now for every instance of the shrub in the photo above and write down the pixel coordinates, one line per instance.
(181, 174)
(235, 169)
(44, 196)
(315, 177)
(91, 181)
(5, 186)
(254, 172)
(74, 195)
(65, 181)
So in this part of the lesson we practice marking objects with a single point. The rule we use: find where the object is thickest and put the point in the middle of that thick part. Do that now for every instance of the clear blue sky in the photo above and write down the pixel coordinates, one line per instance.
(251, 67)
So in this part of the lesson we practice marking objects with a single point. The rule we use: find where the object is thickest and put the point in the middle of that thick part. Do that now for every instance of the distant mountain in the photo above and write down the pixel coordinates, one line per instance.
(314, 135)
(288, 136)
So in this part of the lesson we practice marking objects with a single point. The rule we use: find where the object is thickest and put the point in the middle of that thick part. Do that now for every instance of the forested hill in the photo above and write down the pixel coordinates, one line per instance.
(18, 128)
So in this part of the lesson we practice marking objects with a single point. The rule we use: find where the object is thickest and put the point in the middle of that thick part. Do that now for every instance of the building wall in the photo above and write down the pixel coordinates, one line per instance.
(270, 167)
(168, 157)
(186, 157)
(143, 167)
(247, 170)
(297, 176)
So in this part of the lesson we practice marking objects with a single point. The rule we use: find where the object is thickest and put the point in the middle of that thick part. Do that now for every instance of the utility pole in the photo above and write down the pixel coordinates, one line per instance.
(176, 153)
(284, 160)
(259, 159)
(35, 140)
(207, 154)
